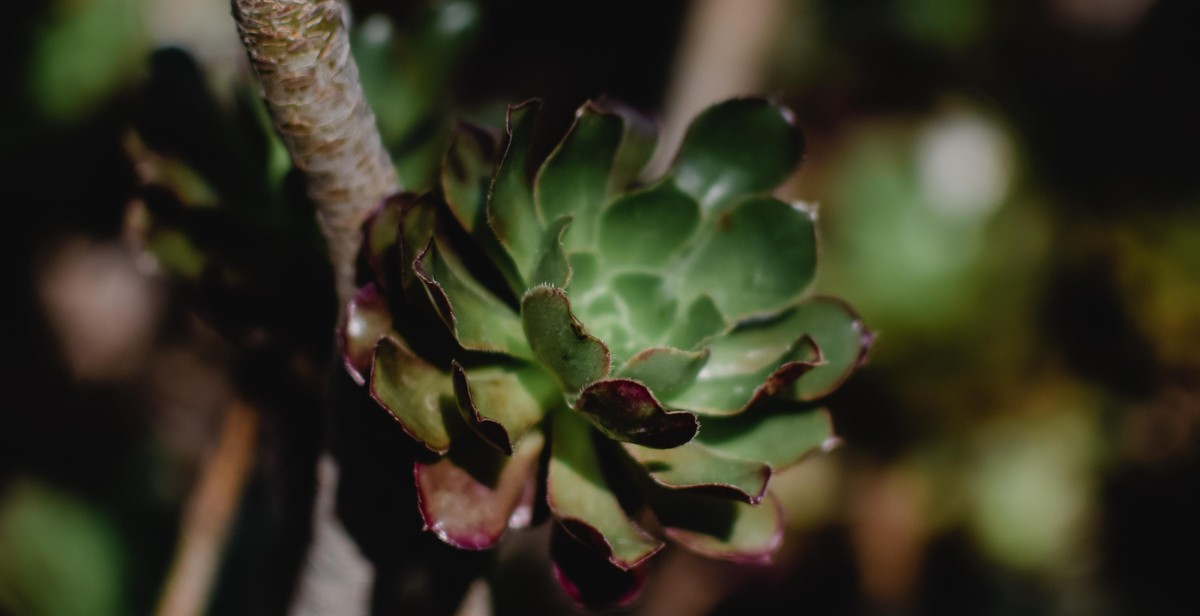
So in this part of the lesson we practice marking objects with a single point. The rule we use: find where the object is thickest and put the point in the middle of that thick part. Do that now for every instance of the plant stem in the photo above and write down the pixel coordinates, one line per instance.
(301, 53)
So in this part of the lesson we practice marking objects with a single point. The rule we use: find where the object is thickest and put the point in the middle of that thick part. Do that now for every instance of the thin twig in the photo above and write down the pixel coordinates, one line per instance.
(208, 515)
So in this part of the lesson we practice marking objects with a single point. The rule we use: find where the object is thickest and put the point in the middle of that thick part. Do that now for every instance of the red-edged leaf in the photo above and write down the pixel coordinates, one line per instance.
(368, 318)
(625, 410)
(469, 497)
(588, 579)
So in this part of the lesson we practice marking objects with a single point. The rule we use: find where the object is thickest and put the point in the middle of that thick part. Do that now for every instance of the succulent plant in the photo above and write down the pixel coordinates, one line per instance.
(634, 360)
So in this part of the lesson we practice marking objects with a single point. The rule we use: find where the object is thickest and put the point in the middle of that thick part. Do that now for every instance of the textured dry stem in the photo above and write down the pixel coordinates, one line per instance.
(301, 53)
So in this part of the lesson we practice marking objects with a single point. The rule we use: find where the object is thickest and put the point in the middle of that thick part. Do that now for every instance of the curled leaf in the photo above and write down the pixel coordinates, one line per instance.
(368, 318)
(625, 410)
(580, 499)
(417, 395)
(736, 148)
(477, 318)
(511, 212)
(695, 466)
(717, 391)
(559, 341)
(573, 180)
(780, 434)
(503, 403)
(466, 174)
(719, 527)
(587, 578)
(468, 497)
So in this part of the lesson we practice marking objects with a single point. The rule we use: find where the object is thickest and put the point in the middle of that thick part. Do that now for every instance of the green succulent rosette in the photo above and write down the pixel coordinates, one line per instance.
(636, 360)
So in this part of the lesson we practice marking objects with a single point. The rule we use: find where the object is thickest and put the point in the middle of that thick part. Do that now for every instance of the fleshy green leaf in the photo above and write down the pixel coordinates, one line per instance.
(843, 338)
(585, 273)
(701, 321)
(720, 391)
(649, 306)
(626, 411)
(695, 466)
(466, 174)
(664, 370)
(573, 181)
(780, 434)
(836, 329)
(719, 527)
(368, 318)
(417, 395)
(637, 145)
(736, 148)
(381, 232)
(553, 267)
(758, 257)
(580, 499)
(511, 210)
(418, 220)
(645, 229)
(587, 578)
(559, 341)
(479, 320)
(502, 403)
(467, 497)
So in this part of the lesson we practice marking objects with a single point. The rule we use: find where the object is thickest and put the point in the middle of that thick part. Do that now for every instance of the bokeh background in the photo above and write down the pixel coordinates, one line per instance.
(1009, 193)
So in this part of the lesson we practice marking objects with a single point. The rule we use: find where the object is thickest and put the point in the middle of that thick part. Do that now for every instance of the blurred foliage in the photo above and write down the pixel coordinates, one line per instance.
(1007, 189)
(58, 556)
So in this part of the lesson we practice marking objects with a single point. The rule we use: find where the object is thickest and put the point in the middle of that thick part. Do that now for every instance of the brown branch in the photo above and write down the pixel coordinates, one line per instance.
(209, 514)
(301, 53)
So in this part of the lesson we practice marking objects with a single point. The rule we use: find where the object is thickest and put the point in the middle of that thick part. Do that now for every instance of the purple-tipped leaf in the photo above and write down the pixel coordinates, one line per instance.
(368, 318)
(587, 578)
(469, 497)
(580, 499)
(626, 411)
